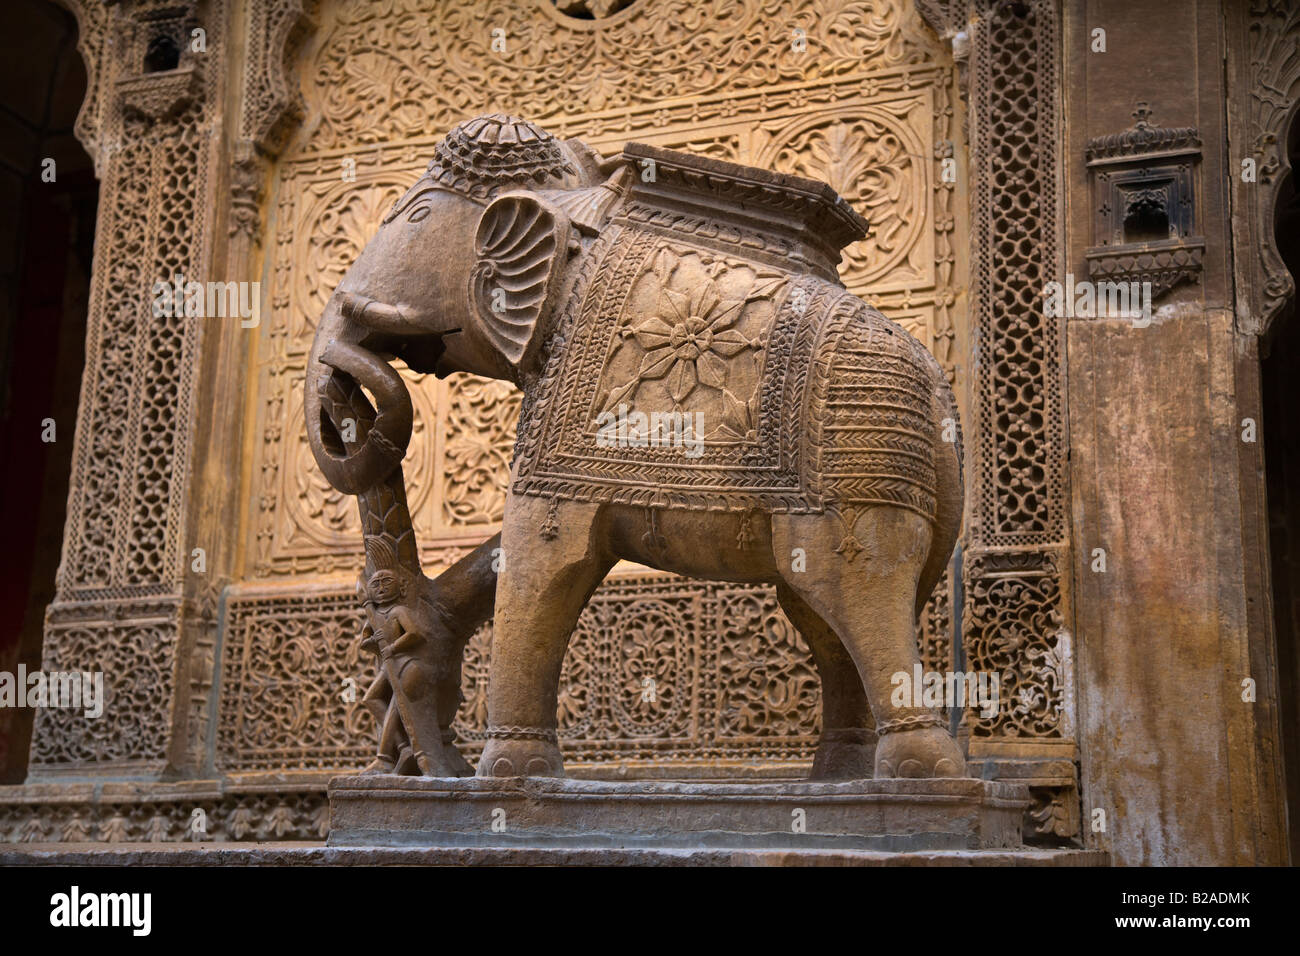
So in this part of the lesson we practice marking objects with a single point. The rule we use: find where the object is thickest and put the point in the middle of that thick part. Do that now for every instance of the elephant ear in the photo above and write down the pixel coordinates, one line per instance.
(521, 247)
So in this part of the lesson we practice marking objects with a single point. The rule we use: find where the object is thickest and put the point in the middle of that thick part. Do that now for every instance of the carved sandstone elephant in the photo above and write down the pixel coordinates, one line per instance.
(701, 395)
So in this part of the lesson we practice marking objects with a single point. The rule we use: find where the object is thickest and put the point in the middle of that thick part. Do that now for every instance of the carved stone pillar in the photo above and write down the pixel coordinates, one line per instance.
(128, 602)
(1017, 550)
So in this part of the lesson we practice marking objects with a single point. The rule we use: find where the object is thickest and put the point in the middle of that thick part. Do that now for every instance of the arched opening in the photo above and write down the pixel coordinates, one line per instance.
(1280, 370)
(49, 194)
(162, 54)
(1146, 221)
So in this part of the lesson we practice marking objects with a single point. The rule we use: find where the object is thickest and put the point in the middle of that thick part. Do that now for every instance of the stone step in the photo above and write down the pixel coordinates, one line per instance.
(888, 815)
(318, 854)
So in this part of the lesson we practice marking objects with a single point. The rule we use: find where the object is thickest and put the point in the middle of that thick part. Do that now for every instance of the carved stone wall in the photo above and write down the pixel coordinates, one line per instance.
(340, 105)
(231, 691)
(734, 686)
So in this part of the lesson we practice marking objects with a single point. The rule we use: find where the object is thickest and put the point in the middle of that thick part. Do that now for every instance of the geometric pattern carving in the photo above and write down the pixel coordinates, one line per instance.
(125, 604)
(1013, 630)
(730, 677)
(934, 629)
(167, 818)
(129, 474)
(1020, 438)
(423, 80)
(283, 684)
(136, 659)
(1015, 606)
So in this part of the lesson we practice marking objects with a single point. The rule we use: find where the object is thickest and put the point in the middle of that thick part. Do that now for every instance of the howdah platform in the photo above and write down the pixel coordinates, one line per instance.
(895, 815)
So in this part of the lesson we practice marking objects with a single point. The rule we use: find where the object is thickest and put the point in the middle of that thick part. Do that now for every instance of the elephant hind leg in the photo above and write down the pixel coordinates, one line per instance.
(847, 748)
(866, 595)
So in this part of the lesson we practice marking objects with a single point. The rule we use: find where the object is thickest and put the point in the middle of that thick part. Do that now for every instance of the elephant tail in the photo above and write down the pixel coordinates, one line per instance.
(949, 488)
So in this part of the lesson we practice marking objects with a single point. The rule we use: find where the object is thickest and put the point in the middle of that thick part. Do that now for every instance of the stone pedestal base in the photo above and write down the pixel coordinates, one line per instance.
(884, 815)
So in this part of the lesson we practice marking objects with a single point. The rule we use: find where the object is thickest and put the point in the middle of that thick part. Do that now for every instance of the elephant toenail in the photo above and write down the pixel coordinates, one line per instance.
(537, 767)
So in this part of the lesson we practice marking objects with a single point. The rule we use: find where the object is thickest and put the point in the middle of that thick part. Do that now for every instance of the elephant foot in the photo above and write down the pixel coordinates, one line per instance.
(518, 752)
(917, 747)
(844, 753)
(444, 761)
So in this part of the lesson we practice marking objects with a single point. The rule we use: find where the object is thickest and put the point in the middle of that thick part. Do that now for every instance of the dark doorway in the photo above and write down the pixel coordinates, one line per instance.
(45, 266)
(1281, 400)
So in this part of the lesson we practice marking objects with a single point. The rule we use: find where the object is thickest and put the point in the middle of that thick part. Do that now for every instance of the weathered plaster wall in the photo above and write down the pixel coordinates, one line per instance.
(1184, 769)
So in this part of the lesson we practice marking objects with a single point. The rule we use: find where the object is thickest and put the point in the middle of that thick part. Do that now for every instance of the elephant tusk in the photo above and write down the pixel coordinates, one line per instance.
(378, 315)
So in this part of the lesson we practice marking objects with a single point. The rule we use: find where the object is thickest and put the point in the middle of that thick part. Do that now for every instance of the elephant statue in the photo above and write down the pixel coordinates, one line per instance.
(700, 395)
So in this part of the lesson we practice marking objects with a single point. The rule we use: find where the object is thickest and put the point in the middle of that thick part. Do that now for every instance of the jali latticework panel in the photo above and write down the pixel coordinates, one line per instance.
(1018, 541)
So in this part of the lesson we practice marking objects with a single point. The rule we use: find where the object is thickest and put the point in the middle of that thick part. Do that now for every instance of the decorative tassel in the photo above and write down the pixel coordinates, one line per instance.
(744, 538)
(551, 526)
(850, 547)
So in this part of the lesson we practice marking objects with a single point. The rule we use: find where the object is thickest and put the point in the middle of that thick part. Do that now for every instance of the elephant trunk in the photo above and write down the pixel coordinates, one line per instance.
(333, 401)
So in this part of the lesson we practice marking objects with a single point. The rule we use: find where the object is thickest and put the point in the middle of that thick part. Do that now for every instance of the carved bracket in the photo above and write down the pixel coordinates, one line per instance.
(1264, 97)
(272, 102)
(155, 96)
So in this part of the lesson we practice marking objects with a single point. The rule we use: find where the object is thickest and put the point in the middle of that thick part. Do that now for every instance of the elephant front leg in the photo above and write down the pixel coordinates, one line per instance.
(542, 587)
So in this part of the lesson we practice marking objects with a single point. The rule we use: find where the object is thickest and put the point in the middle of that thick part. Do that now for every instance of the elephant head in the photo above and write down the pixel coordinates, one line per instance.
(462, 276)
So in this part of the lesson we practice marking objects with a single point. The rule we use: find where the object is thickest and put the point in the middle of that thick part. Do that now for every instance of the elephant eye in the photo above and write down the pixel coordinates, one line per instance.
(419, 213)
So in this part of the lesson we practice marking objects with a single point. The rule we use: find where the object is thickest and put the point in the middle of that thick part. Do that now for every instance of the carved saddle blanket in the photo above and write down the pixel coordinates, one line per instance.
(681, 376)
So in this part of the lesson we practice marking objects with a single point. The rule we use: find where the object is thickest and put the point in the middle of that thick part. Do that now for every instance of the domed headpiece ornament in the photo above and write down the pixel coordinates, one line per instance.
(488, 153)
